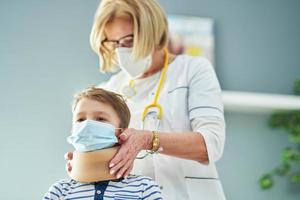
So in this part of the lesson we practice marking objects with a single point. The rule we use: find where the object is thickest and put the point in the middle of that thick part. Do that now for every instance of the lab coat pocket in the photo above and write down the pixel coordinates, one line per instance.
(204, 188)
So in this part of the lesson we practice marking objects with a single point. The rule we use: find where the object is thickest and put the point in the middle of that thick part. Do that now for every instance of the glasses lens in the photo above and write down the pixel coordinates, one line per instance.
(127, 41)
(124, 42)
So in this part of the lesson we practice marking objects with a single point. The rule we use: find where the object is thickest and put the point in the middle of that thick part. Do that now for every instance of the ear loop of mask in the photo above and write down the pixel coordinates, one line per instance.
(152, 113)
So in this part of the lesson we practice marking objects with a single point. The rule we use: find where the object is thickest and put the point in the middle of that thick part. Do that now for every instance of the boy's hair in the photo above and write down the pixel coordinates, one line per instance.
(116, 101)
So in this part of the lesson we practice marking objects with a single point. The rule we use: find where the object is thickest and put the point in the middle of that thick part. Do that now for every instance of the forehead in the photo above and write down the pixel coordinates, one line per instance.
(91, 106)
(118, 27)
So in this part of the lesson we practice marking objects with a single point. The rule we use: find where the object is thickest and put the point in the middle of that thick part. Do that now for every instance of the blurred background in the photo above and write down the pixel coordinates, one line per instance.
(45, 57)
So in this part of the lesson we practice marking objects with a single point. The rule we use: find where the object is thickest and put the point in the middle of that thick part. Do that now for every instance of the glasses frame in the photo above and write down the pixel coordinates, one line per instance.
(113, 44)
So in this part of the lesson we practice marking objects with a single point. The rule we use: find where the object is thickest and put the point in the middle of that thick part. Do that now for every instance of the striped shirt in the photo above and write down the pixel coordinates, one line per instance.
(133, 187)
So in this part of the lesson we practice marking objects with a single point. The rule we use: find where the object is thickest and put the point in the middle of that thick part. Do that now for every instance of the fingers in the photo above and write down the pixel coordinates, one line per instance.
(127, 172)
(122, 151)
(122, 167)
(119, 157)
(117, 167)
(122, 162)
(125, 135)
(69, 166)
(68, 156)
(121, 172)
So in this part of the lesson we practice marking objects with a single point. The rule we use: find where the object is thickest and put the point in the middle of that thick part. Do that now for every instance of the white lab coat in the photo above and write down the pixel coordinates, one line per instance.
(191, 101)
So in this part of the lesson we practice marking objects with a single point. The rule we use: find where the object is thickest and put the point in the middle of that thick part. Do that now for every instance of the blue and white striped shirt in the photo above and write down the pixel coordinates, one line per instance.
(133, 187)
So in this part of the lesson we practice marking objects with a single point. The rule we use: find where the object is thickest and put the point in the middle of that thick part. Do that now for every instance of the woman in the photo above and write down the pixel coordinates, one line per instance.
(177, 138)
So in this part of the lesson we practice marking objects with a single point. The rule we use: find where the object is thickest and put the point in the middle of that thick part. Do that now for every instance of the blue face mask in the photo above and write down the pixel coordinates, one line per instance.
(90, 135)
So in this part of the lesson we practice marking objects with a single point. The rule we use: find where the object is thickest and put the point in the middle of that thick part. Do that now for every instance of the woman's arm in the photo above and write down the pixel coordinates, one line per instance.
(204, 144)
(187, 145)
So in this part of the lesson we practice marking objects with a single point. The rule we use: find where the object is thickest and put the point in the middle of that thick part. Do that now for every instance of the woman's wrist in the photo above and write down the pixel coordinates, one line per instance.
(148, 138)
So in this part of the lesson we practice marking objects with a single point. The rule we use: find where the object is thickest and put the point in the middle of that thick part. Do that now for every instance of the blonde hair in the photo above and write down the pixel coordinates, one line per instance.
(116, 101)
(150, 28)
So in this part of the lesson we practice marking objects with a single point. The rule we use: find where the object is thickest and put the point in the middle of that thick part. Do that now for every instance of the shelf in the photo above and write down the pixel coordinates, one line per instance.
(235, 101)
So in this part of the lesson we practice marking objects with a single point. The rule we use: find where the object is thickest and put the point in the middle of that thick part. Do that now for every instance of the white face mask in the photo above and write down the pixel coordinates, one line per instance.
(128, 64)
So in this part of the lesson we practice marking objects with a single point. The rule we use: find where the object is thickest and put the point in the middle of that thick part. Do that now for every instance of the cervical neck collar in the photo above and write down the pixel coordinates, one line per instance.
(92, 166)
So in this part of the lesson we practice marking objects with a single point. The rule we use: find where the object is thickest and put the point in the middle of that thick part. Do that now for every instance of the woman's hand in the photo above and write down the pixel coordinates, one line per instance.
(132, 142)
(68, 157)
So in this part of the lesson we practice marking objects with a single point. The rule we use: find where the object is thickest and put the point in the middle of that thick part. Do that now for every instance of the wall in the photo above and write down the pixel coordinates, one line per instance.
(45, 57)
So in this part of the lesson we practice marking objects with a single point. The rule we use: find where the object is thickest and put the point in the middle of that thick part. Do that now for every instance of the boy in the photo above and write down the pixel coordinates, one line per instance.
(96, 109)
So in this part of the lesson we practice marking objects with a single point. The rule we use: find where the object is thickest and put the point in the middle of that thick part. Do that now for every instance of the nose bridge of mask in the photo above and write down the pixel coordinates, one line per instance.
(90, 125)
(91, 135)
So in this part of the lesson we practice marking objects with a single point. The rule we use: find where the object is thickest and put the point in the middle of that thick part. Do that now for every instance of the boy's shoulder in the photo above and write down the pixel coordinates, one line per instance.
(67, 185)
(68, 188)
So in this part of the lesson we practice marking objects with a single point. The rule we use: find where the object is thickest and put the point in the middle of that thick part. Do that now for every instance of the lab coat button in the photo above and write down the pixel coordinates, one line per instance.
(161, 187)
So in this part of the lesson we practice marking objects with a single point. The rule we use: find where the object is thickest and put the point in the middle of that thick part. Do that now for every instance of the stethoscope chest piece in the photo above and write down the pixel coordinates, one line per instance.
(128, 91)
(151, 121)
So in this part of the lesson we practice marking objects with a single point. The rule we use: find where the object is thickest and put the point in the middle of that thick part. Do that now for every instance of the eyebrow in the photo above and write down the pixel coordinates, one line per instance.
(96, 112)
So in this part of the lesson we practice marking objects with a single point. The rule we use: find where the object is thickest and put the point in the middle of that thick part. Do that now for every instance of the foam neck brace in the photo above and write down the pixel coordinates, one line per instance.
(92, 166)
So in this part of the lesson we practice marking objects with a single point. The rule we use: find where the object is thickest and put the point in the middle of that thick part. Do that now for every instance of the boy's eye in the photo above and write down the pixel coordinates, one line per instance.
(101, 119)
(80, 120)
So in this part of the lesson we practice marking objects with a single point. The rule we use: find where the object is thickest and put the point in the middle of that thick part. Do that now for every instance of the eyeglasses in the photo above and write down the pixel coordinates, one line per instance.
(126, 41)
